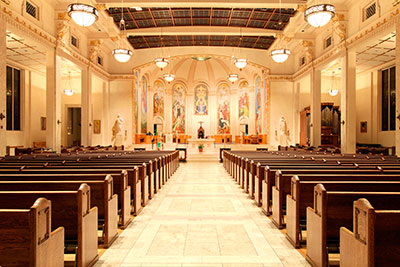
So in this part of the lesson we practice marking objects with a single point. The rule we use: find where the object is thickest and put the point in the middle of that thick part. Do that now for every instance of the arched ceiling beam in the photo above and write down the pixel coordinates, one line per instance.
(202, 30)
(204, 3)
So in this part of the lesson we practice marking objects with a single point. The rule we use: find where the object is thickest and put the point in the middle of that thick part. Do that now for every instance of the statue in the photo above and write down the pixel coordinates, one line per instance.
(283, 132)
(117, 131)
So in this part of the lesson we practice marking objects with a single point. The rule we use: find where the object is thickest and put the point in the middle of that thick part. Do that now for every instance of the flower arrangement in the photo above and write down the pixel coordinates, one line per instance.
(201, 146)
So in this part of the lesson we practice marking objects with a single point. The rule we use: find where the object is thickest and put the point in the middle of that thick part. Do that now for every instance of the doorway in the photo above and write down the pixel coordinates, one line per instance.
(73, 126)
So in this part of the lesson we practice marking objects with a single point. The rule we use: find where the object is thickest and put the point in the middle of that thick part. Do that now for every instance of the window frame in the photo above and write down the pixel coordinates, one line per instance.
(20, 98)
(391, 87)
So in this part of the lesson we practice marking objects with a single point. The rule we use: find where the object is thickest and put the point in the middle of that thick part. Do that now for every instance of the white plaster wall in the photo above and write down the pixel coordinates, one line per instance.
(121, 103)
(38, 98)
(281, 105)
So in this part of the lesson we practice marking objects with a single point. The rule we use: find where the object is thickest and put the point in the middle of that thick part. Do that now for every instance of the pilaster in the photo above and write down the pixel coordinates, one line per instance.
(86, 103)
(3, 50)
(315, 107)
(53, 100)
(348, 103)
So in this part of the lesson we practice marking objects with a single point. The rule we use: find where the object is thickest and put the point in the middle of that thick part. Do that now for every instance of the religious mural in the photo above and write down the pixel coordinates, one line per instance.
(224, 126)
(178, 108)
(136, 105)
(201, 100)
(243, 99)
(158, 99)
(258, 105)
(143, 106)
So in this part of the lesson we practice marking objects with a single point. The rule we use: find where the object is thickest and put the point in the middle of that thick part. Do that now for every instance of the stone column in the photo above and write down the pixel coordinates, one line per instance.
(53, 100)
(3, 81)
(106, 127)
(86, 103)
(397, 89)
(348, 103)
(296, 114)
(315, 107)
(27, 108)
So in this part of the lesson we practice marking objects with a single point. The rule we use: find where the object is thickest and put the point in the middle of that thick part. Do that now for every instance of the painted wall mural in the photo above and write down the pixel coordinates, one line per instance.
(258, 110)
(178, 108)
(136, 104)
(158, 99)
(201, 100)
(224, 115)
(143, 106)
(243, 99)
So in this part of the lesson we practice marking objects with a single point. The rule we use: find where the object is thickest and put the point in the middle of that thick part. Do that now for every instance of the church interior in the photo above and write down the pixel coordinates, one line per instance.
(199, 133)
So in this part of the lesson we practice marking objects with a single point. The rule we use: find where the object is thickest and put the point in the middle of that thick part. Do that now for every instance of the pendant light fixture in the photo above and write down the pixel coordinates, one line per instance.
(84, 15)
(233, 77)
(169, 77)
(122, 54)
(240, 63)
(333, 91)
(319, 15)
(161, 62)
(69, 91)
(280, 54)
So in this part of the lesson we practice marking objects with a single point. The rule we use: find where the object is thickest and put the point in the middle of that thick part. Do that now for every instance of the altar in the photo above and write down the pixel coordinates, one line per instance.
(194, 142)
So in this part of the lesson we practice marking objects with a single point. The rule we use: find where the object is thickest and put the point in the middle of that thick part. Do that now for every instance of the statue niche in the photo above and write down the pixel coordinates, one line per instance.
(200, 133)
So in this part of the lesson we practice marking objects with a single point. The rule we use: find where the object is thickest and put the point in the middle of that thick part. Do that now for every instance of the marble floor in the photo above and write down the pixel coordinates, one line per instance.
(201, 218)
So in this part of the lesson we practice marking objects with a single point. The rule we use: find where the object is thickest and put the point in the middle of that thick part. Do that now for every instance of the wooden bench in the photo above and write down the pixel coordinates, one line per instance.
(374, 240)
(301, 196)
(283, 185)
(332, 210)
(26, 238)
(101, 196)
(70, 209)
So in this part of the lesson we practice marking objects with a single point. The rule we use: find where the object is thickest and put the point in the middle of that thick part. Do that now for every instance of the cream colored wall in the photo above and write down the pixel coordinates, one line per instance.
(38, 104)
(121, 103)
(281, 105)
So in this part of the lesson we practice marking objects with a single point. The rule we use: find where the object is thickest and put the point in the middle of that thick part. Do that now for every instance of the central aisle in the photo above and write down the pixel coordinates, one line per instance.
(201, 218)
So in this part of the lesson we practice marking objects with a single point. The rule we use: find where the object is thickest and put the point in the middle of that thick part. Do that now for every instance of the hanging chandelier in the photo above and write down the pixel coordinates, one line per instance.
(69, 92)
(169, 77)
(319, 15)
(122, 54)
(83, 15)
(240, 63)
(233, 77)
(161, 62)
(280, 55)
(333, 92)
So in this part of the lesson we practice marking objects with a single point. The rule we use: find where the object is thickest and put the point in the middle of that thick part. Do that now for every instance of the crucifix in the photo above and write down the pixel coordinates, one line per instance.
(201, 123)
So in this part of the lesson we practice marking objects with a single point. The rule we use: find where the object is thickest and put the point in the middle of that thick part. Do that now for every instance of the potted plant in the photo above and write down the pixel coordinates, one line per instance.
(201, 146)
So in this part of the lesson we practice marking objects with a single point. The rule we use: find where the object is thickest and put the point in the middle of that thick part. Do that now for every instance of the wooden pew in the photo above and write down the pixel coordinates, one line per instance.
(70, 209)
(302, 191)
(332, 210)
(26, 238)
(374, 240)
(120, 184)
(101, 196)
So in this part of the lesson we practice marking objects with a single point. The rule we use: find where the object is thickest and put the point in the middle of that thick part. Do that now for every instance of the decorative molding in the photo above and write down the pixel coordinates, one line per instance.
(94, 50)
(122, 77)
(309, 49)
(62, 25)
(15, 20)
(7, 2)
(280, 78)
(340, 26)
(396, 2)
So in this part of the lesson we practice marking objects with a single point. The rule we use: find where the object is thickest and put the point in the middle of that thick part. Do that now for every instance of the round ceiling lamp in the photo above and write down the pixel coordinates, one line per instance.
(319, 15)
(280, 55)
(240, 63)
(122, 55)
(83, 15)
(69, 92)
(233, 77)
(161, 62)
(169, 77)
(333, 92)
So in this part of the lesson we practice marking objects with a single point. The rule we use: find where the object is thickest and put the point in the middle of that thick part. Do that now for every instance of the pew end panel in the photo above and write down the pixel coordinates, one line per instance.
(125, 200)
(316, 224)
(111, 212)
(87, 224)
(293, 230)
